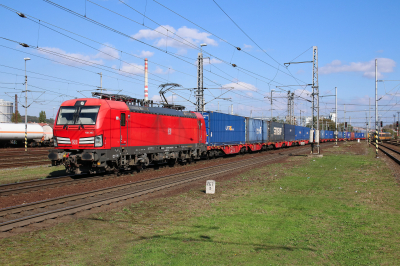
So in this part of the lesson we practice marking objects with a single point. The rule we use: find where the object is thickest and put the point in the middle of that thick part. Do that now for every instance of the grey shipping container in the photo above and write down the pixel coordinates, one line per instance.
(265, 131)
(290, 132)
(224, 128)
(253, 130)
(276, 132)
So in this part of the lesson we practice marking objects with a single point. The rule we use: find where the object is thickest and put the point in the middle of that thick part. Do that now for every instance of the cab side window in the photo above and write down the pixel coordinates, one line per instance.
(122, 119)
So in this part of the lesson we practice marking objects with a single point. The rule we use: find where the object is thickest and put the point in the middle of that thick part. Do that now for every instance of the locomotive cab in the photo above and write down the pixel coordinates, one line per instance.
(81, 133)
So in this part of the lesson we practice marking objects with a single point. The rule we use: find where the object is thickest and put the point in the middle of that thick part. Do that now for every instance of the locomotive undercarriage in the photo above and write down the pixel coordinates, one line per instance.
(121, 159)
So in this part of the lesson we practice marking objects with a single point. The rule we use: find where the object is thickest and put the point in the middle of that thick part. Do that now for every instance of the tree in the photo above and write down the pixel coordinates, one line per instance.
(42, 117)
(16, 118)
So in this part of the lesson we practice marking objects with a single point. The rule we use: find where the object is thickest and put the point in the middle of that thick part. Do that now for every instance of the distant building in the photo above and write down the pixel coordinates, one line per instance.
(332, 117)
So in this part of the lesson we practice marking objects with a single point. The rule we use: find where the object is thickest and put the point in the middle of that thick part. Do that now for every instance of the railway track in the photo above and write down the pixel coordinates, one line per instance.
(24, 215)
(393, 154)
(41, 184)
(13, 159)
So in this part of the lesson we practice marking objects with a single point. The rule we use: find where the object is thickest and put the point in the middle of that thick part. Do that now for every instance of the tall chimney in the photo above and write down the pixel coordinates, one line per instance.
(146, 83)
(16, 108)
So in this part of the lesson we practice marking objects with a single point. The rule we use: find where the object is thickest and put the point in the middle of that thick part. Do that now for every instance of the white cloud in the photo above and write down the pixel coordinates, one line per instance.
(145, 54)
(107, 53)
(159, 70)
(190, 37)
(385, 65)
(157, 98)
(133, 68)
(247, 46)
(379, 51)
(74, 59)
(241, 86)
(211, 61)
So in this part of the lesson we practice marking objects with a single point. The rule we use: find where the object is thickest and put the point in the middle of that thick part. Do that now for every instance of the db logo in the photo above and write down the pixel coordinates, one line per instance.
(74, 142)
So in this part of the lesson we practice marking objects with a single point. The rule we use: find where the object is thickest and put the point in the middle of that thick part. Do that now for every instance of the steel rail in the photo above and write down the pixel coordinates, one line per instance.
(390, 155)
(118, 193)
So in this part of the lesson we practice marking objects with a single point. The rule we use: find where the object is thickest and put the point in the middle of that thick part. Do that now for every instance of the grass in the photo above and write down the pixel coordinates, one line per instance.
(339, 209)
(30, 173)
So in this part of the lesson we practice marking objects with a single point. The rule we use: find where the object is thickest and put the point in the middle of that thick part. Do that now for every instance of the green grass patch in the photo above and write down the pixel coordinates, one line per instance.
(339, 209)
(30, 173)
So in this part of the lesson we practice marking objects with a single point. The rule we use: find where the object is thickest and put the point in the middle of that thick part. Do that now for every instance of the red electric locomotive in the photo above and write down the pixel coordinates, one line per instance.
(116, 132)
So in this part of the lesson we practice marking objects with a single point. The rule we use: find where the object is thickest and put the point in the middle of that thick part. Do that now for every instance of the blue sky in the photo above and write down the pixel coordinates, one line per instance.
(350, 35)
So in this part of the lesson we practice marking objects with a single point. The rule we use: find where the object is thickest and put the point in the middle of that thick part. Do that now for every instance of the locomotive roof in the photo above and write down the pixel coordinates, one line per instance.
(161, 111)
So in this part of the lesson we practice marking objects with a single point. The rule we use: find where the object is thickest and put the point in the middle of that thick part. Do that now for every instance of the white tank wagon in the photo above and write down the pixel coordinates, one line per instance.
(6, 111)
(11, 133)
(48, 133)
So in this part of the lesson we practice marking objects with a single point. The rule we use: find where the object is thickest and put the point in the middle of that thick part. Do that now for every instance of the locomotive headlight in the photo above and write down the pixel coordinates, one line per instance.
(98, 141)
(55, 141)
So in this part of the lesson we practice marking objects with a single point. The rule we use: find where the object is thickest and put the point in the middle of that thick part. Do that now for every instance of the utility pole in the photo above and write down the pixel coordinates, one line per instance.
(200, 90)
(315, 92)
(16, 109)
(344, 123)
(376, 108)
(336, 117)
(369, 120)
(231, 109)
(289, 109)
(146, 82)
(271, 103)
(398, 124)
(292, 108)
(26, 107)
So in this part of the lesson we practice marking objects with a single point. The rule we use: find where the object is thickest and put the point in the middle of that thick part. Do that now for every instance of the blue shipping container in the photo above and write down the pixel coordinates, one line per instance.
(253, 130)
(290, 132)
(306, 133)
(331, 136)
(276, 132)
(224, 128)
(322, 134)
(265, 131)
(299, 133)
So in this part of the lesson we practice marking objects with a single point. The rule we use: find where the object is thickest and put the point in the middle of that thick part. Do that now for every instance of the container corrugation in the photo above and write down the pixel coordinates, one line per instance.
(224, 128)
(290, 132)
(253, 130)
(265, 130)
(276, 131)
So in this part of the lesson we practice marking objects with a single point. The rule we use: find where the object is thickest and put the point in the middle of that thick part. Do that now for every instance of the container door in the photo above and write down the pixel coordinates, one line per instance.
(123, 129)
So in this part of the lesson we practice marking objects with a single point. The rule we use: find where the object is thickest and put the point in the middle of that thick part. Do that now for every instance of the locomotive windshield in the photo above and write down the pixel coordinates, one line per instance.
(78, 115)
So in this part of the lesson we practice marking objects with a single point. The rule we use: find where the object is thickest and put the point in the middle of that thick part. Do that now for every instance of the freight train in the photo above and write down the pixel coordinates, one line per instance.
(13, 134)
(116, 133)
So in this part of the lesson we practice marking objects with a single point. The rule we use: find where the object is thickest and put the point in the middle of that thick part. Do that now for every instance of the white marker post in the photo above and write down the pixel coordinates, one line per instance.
(210, 187)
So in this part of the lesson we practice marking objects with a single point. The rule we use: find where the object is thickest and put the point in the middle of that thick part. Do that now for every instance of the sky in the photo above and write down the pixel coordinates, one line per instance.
(70, 42)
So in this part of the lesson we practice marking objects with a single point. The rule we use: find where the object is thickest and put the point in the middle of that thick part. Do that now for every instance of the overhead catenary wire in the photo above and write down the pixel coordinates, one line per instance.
(123, 34)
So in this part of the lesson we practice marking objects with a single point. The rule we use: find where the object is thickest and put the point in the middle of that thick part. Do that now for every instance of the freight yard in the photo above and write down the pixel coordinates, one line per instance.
(140, 133)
